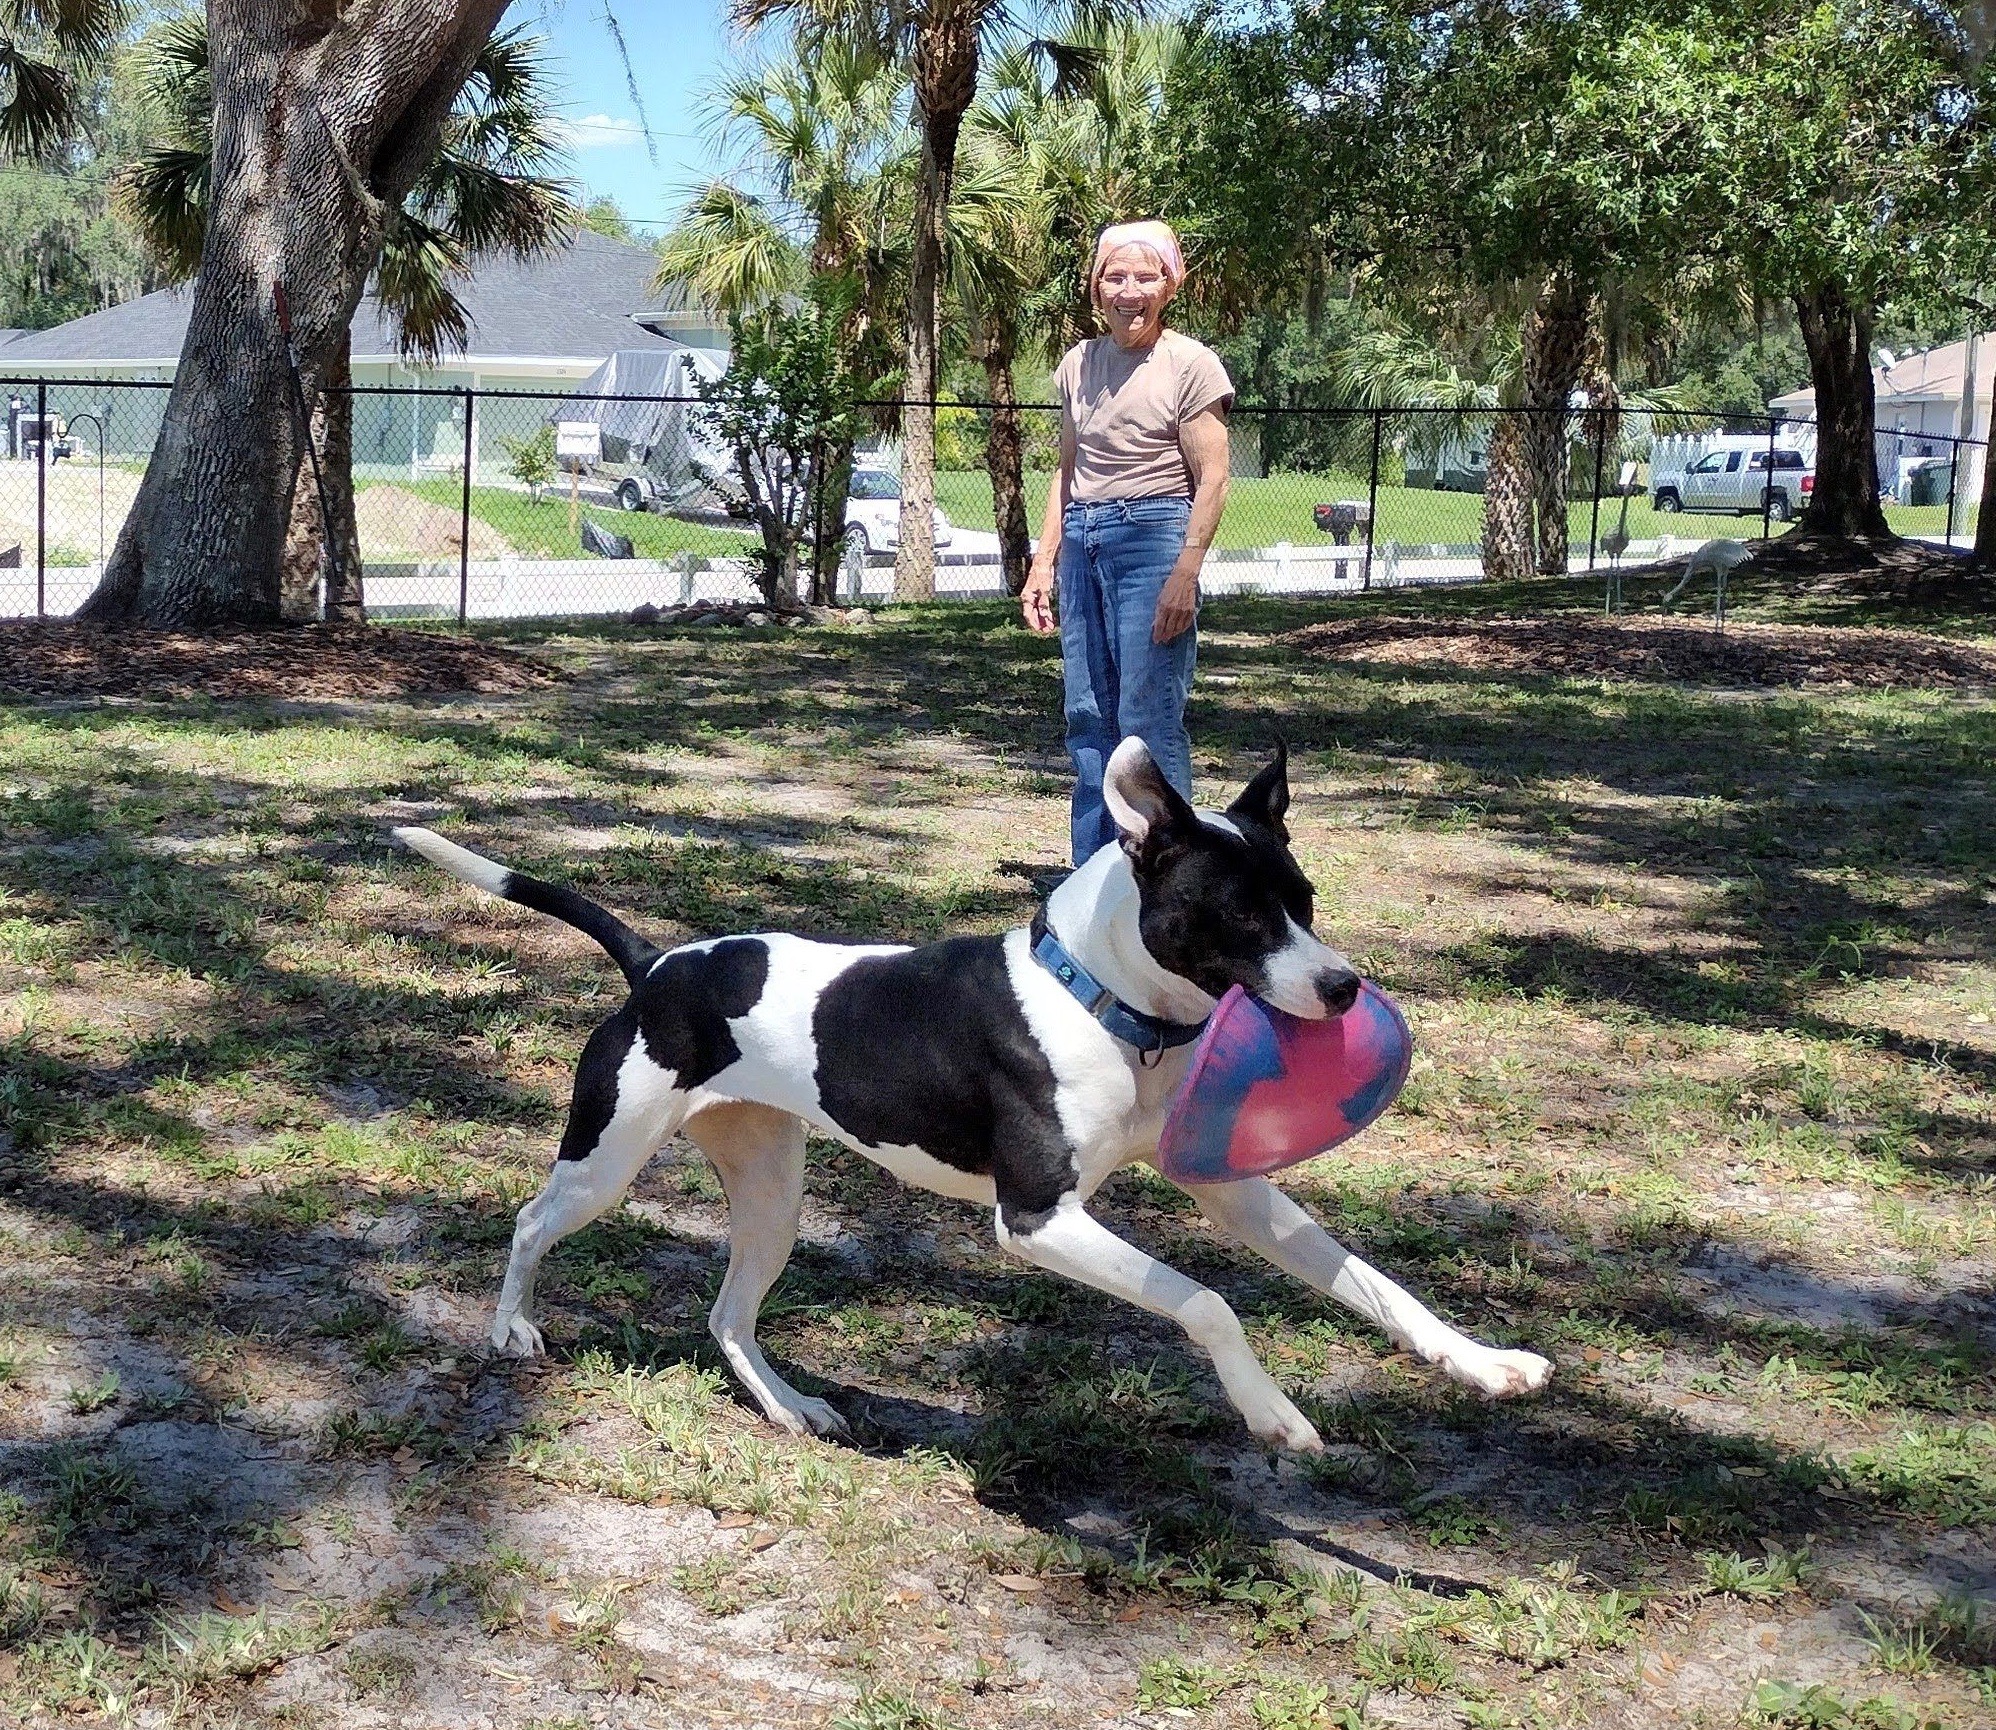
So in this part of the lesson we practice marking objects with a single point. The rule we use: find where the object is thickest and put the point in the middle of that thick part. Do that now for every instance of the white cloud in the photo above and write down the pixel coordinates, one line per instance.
(600, 132)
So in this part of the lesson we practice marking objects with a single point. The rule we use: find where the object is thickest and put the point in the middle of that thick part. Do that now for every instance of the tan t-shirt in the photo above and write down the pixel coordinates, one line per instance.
(1127, 409)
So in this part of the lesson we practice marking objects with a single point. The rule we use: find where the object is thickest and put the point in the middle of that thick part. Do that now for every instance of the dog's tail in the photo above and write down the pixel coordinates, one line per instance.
(634, 954)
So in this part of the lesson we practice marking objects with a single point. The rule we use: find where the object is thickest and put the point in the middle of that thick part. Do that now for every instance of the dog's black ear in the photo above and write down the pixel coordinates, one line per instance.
(1149, 812)
(1265, 799)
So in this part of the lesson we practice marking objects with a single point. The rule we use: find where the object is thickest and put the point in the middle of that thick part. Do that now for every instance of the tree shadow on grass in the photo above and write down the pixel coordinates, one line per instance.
(1080, 1403)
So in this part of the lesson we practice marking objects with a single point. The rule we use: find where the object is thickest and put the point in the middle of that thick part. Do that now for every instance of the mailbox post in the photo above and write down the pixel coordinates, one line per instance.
(577, 442)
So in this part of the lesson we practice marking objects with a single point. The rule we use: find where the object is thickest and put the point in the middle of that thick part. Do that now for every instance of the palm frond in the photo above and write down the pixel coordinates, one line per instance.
(164, 195)
(173, 62)
(45, 46)
(1394, 369)
(81, 27)
(488, 209)
(729, 249)
(40, 105)
(418, 264)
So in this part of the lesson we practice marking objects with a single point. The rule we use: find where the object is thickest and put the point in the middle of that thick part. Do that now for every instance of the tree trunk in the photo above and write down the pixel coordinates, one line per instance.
(305, 563)
(945, 86)
(1507, 502)
(828, 523)
(1004, 456)
(1985, 521)
(1837, 333)
(323, 117)
(1555, 350)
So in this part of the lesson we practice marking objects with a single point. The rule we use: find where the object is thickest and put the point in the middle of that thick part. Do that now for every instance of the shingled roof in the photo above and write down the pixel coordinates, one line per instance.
(582, 303)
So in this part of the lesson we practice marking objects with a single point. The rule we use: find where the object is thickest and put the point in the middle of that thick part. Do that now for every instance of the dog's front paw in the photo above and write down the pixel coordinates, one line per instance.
(1277, 1422)
(819, 1417)
(1501, 1375)
(517, 1337)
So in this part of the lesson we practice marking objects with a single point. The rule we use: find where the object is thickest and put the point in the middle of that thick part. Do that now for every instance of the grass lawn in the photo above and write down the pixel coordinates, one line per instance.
(1260, 513)
(541, 529)
(1703, 983)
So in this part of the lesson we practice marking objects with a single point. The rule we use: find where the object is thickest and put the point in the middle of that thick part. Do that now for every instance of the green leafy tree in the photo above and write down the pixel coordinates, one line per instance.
(1859, 112)
(605, 216)
(941, 43)
(531, 461)
(1052, 150)
(488, 189)
(64, 249)
(1611, 180)
(67, 117)
(787, 398)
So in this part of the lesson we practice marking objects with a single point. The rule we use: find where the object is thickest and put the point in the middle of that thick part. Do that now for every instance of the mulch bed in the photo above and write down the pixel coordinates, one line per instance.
(1657, 650)
(1850, 568)
(305, 663)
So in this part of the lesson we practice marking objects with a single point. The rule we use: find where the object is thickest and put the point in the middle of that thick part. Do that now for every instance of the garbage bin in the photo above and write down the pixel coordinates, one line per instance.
(1927, 484)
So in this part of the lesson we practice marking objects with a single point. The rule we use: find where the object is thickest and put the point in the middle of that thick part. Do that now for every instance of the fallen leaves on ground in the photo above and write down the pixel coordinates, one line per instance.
(305, 663)
(1669, 650)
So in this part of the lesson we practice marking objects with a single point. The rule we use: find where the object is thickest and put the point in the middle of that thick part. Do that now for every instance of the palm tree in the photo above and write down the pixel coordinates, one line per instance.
(941, 42)
(1477, 369)
(44, 46)
(489, 189)
(1051, 151)
(821, 190)
(821, 194)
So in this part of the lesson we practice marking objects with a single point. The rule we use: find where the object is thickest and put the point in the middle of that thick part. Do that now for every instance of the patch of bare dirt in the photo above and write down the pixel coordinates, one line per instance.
(1668, 650)
(44, 662)
(395, 524)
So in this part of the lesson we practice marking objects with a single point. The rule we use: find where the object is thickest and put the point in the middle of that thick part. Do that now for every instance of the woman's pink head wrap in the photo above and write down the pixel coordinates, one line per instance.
(1155, 235)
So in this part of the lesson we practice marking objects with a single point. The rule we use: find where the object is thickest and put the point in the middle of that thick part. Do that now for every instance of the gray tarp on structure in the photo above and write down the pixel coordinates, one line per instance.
(645, 400)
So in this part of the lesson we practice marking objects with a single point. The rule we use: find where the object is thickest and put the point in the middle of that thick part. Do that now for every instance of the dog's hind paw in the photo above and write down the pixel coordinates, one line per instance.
(1501, 1375)
(518, 1338)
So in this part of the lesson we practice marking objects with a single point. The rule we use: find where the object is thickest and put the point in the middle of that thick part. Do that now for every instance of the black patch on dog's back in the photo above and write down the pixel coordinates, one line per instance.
(930, 1049)
(681, 1010)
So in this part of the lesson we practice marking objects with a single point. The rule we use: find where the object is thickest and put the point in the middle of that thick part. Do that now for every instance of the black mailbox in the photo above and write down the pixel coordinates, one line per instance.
(1341, 519)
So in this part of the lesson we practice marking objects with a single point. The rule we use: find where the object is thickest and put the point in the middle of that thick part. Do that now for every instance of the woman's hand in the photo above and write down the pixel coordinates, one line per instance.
(1178, 605)
(1036, 601)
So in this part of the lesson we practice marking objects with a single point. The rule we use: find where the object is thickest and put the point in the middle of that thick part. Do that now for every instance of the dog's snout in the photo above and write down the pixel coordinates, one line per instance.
(1337, 991)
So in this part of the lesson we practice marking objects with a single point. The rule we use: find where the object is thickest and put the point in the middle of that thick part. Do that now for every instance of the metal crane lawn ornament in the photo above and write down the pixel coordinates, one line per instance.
(1616, 541)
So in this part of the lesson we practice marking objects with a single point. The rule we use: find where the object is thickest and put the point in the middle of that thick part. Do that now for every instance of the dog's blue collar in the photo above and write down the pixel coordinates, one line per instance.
(1150, 1034)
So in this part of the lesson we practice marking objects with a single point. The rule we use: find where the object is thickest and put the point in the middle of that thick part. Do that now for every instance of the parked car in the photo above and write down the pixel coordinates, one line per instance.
(873, 512)
(1732, 475)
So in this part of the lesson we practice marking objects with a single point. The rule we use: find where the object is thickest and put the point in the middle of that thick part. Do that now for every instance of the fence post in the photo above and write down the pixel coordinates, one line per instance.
(1767, 482)
(1372, 498)
(41, 499)
(1600, 451)
(1953, 476)
(464, 519)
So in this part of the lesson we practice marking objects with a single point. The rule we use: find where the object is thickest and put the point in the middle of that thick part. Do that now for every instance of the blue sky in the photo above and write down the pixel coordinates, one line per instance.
(677, 47)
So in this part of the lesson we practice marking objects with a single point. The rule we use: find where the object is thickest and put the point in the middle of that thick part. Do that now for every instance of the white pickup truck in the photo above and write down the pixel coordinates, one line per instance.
(1731, 475)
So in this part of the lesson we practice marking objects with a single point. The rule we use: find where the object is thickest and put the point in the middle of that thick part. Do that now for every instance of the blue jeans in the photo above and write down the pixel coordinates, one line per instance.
(1114, 558)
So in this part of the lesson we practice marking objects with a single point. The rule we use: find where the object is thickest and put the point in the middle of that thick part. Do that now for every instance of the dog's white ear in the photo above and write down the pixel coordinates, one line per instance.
(1265, 799)
(1145, 806)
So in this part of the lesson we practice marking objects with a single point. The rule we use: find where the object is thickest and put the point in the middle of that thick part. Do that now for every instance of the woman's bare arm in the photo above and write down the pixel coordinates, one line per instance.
(1036, 600)
(1203, 439)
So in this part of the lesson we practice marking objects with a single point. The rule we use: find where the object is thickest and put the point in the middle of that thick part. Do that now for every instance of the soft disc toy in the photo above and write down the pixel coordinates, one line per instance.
(1268, 1089)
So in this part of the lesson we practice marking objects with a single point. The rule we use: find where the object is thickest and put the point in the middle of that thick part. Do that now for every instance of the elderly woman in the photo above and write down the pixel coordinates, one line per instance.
(1143, 476)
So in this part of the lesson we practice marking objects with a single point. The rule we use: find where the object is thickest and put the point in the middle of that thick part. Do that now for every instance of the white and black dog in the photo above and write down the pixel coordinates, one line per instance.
(1015, 1071)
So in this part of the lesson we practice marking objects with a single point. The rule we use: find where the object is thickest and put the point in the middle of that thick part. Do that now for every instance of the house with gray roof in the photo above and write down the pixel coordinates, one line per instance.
(536, 325)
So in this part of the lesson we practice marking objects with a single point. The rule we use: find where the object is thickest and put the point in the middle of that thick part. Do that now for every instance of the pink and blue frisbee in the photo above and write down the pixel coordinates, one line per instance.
(1268, 1089)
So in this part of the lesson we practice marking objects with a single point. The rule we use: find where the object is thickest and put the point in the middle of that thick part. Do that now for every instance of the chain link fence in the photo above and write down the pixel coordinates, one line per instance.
(465, 506)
